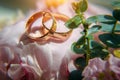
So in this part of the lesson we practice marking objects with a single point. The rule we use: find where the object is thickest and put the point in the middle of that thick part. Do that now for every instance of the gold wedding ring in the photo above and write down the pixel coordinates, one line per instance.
(27, 38)
(57, 36)
(33, 18)
(47, 34)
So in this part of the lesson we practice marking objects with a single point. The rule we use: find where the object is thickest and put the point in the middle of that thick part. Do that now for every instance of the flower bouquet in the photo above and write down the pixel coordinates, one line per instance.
(49, 45)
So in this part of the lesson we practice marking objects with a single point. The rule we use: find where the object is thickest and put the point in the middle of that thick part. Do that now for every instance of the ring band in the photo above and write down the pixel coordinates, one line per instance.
(57, 36)
(33, 18)
(27, 38)
(47, 34)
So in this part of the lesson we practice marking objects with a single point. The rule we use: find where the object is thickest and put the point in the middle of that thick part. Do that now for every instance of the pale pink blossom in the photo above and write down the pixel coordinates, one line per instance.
(102, 69)
(115, 66)
(94, 68)
(43, 62)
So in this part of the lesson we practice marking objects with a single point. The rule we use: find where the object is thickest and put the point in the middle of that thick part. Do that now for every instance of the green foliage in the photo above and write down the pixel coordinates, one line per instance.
(117, 29)
(80, 63)
(83, 5)
(73, 22)
(79, 46)
(106, 21)
(102, 19)
(116, 3)
(94, 29)
(98, 50)
(75, 75)
(116, 14)
(81, 41)
(80, 6)
(79, 49)
(111, 40)
(109, 25)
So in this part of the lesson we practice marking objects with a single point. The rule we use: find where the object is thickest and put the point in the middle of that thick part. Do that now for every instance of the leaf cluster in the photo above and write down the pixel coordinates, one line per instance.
(108, 25)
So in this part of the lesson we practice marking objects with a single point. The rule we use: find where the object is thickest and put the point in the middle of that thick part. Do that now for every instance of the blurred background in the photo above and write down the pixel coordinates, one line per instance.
(12, 11)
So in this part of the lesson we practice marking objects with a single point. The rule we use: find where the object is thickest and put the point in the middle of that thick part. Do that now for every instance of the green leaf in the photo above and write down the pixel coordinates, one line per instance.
(74, 6)
(108, 27)
(90, 37)
(97, 50)
(116, 3)
(79, 49)
(116, 14)
(83, 5)
(95, 45)
(117, 29)
(80, 63)
(94, 29)
(102, 19)
(81, 40)
(73, 22)
(75, 75)
(111, 40)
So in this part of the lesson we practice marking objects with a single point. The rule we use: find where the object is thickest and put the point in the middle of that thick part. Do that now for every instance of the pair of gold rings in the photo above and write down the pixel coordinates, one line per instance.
(46, 34)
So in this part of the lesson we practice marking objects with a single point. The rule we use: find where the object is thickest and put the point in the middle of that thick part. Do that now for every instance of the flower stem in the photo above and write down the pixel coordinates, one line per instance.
(88, 45)
(88, 50)
(113, 29)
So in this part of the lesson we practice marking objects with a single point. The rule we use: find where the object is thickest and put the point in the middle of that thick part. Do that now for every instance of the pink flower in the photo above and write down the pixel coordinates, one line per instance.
(101, 69)
(115, 65)
(22, 72)
(94, 68)
(43, 62)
